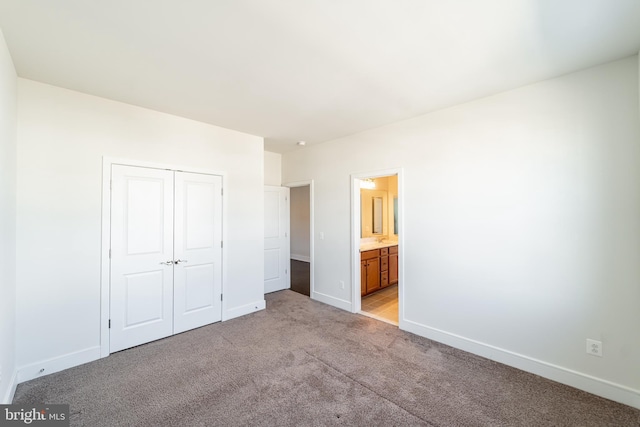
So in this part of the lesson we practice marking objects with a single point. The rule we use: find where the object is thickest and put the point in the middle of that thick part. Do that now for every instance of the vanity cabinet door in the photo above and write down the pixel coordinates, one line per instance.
(363, 278)
(393, 265)
(373, 275)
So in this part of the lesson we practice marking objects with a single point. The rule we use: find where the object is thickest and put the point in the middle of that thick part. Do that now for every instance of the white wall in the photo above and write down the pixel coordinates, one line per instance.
(272, 168)
(300, 222)
(521, 219)
(8, 88)
(62, 136)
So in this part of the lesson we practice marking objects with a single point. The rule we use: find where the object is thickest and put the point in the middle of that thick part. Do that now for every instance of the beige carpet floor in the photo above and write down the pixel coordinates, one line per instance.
(303, 363)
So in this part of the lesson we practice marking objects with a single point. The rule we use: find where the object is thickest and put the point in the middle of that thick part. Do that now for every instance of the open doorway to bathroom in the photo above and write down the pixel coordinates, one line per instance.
(378, 247)
(300, 240)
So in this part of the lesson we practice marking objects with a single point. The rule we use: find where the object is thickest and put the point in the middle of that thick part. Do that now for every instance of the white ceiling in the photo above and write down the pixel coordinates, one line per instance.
(310, 70)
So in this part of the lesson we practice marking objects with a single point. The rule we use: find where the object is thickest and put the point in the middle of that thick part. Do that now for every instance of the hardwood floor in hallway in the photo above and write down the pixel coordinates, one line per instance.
(301, 277)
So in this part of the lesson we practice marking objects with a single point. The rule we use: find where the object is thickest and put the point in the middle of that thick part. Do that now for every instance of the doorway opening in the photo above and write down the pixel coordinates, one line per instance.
(376, 229)
(301, 237)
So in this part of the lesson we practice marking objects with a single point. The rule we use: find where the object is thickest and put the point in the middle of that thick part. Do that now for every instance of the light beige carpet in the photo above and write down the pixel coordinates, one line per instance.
(303, 363)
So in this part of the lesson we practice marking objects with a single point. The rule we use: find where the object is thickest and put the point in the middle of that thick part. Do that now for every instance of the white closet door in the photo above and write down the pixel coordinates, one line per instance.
(198, 253)
(276, 239)
(141, 256)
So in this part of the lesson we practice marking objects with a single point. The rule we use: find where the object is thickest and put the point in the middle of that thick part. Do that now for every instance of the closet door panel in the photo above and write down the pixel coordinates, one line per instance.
(141, 256)
(197, 250)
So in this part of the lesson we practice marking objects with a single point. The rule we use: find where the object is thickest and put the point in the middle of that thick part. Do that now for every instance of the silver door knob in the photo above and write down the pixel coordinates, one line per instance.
(181, 260)
(167, 263)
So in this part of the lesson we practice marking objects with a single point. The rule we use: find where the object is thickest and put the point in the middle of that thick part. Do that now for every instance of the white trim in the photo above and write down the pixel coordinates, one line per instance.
(107, 162)
(105, 300)
(244, 309)
(311, 260)
(11, 390)
(165, 166)
(588, 383)
(356, 306)
(225, 245)
(302, 258)
(56, 364)
(333, 301)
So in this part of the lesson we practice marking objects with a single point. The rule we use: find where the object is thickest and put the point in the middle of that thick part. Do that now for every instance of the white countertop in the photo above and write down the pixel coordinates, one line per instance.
(375, 245)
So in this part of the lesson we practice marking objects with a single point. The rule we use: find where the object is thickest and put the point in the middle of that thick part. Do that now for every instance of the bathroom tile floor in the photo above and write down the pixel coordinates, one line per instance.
(382, 305)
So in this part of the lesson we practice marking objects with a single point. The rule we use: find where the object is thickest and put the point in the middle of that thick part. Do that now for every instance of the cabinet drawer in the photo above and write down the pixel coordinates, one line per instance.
(384, 278)
(369, 254)
(393, 250)
(384, 263)
(384, 251)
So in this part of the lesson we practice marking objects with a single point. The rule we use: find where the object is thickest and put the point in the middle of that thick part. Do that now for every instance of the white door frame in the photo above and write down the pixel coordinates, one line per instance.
(106, 235)
(355, 237)
(311, 232)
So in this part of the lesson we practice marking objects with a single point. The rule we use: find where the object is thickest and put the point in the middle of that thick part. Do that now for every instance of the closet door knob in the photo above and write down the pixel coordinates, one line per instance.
(181, 260)
(167, 263)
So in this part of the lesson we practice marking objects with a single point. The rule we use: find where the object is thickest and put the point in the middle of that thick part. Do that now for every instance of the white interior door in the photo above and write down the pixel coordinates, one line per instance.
(141, 256)
(197, 250)
(276, 239)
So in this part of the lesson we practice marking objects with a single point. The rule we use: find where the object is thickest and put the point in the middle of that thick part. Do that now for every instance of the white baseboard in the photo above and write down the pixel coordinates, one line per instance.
(275, 287)
(11, 389)
(300, 257)
(232, 313)
(588, 383)
(328, 299)
(56, 364)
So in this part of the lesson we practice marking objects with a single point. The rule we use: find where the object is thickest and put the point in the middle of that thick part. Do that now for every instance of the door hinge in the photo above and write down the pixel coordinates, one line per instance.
(222, 191)
(110, 184)
(109, 323)
(221, 244)
(221, 297)
(286, 271)
(109, 253)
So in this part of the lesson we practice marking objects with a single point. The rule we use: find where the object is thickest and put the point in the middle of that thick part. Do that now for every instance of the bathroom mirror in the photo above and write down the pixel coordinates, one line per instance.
(373, 213)
(379, 208)
(377, 215)
(395, 215)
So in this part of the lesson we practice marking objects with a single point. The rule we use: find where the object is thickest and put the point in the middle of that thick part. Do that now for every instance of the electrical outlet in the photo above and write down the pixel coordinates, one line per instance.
(594, 347)
(341, 283)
